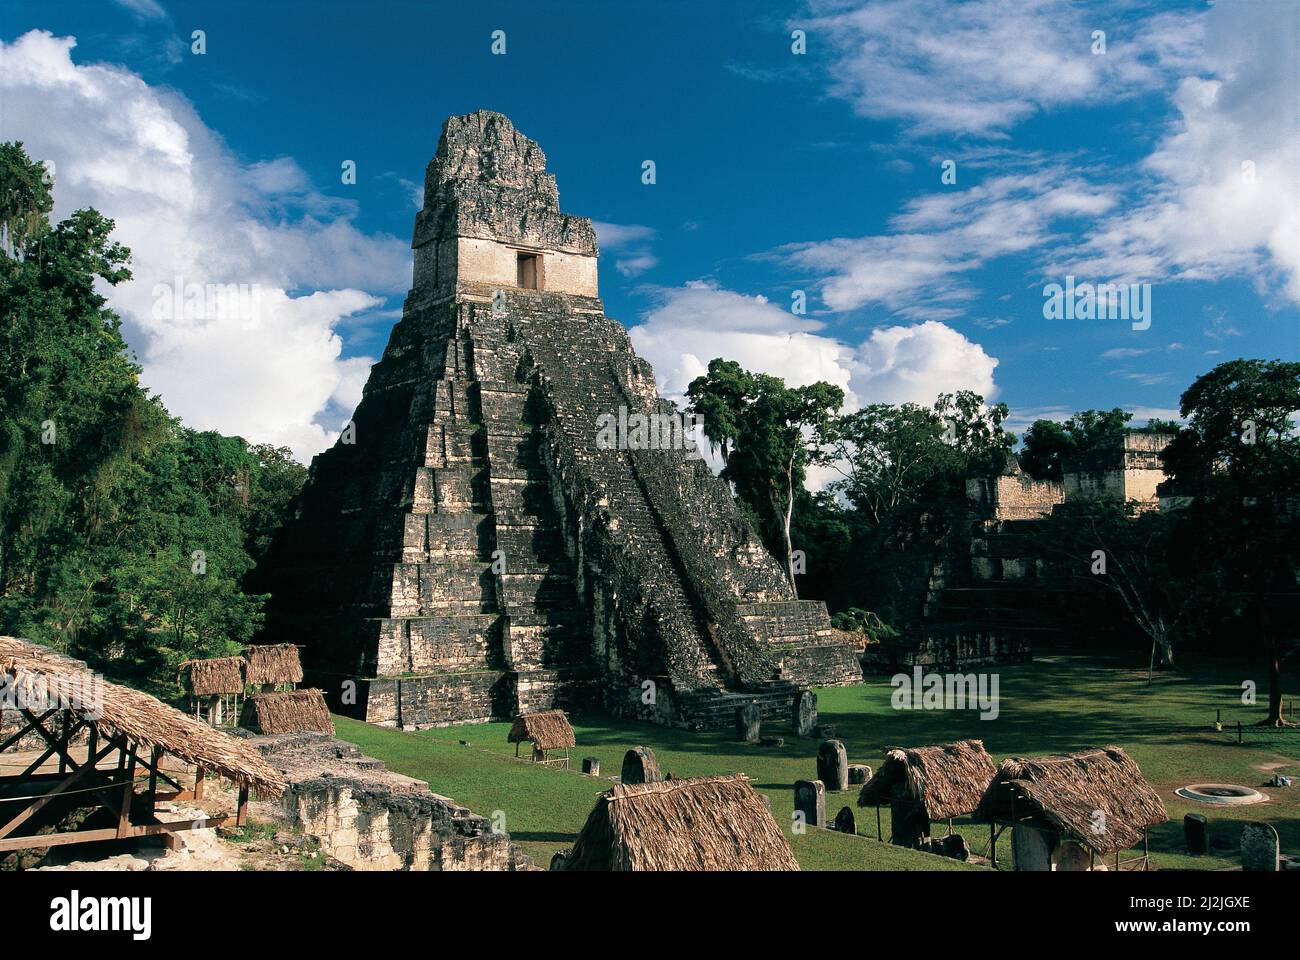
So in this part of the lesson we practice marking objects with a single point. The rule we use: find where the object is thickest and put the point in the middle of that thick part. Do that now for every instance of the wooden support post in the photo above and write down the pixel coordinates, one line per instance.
(63, 742)
(155, 759)
(128, 792)
(241, 812)
(199, 774)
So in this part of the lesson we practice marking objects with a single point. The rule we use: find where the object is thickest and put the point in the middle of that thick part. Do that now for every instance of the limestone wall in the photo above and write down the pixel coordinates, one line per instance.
(372, 819)
(1014, 497)
(490, 264)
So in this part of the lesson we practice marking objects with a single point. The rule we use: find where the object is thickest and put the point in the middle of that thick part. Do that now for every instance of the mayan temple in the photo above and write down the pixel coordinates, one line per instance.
(470, 549)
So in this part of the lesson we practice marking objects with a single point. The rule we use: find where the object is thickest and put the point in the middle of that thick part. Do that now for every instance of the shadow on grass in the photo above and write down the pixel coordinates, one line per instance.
(542, 836)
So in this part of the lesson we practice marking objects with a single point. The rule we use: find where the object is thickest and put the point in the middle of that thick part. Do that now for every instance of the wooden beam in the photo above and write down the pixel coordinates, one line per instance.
(36, 764)
(21, 733)
(39, 803)
(95, 836)
(152, 794)
(152, 767)
(128, 792)
(241, 812)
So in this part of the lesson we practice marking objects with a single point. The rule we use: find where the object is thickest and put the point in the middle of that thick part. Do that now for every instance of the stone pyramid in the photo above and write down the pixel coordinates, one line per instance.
(472, 548)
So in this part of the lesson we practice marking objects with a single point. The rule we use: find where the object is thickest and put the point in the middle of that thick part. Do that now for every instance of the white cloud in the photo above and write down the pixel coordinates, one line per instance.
(631, 244)
(916, 363)
(615, 236)
(145, 9)
(980, 66)
(917, 270)
(1222, 196)
(698, 322)
(1219, 196)
(189, 209)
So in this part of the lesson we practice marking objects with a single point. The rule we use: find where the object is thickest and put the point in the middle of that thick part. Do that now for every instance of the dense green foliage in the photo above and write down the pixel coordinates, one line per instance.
(124, 536)
(768, 434)
(1224, 565)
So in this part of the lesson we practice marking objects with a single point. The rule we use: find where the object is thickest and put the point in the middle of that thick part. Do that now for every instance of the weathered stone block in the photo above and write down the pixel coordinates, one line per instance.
(640, 766)
(810, 800)
(1260, 848)
(748, 723)
(1196, 833)
(804, 720)
(833, 765)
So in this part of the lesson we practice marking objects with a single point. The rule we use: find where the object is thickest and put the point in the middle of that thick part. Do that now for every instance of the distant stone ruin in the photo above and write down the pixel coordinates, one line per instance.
(998, 603)
(473, 547)
(1130, 471)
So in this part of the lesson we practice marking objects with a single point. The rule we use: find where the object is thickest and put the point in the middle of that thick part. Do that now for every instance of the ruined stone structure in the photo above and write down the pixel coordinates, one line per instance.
(370, 818)
(1127, 472)
(470, 549)
(1012, 495)
(998, 601)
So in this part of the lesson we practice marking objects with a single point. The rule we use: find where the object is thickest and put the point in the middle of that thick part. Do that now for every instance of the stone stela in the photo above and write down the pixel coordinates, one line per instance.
(468, 552)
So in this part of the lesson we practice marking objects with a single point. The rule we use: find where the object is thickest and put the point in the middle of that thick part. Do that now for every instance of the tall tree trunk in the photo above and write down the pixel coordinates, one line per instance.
(789, 512)
(1273, 652)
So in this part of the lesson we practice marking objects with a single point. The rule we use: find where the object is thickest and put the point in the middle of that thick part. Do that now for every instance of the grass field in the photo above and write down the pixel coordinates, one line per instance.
(1051, 705)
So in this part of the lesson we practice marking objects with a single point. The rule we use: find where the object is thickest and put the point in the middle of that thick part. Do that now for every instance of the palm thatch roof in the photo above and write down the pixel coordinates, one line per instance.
(1098, 797)
(948, 780)
(209, 678)
(704, 823)
(273, 663)
(287, 711)
(547, 729)
(35, 672)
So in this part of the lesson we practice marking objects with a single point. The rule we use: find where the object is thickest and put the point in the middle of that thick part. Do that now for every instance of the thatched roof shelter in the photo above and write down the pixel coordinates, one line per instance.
(287, 711)
(216, 677)
(704, 823)
(948, 780)
(1065, 793)
(547, 729)
(272, 663)
(35, 672)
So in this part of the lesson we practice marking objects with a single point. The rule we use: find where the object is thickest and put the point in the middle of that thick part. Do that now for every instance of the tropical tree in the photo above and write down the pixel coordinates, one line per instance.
(768, 434)
(1237, 463)
(1049, 445)
(1143, 558)
(124, 536)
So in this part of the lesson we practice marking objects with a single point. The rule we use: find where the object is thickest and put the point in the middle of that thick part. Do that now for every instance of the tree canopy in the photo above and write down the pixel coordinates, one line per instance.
(124, 536)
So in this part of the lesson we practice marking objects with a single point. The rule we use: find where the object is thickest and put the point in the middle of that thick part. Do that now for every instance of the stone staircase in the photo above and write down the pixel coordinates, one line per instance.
(715, 709)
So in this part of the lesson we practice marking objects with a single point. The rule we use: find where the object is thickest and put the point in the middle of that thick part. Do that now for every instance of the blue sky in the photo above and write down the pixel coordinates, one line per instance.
(776, 172)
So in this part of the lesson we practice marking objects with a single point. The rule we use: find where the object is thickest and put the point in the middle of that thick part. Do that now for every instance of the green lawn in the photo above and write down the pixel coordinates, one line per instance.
(1051, 705)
